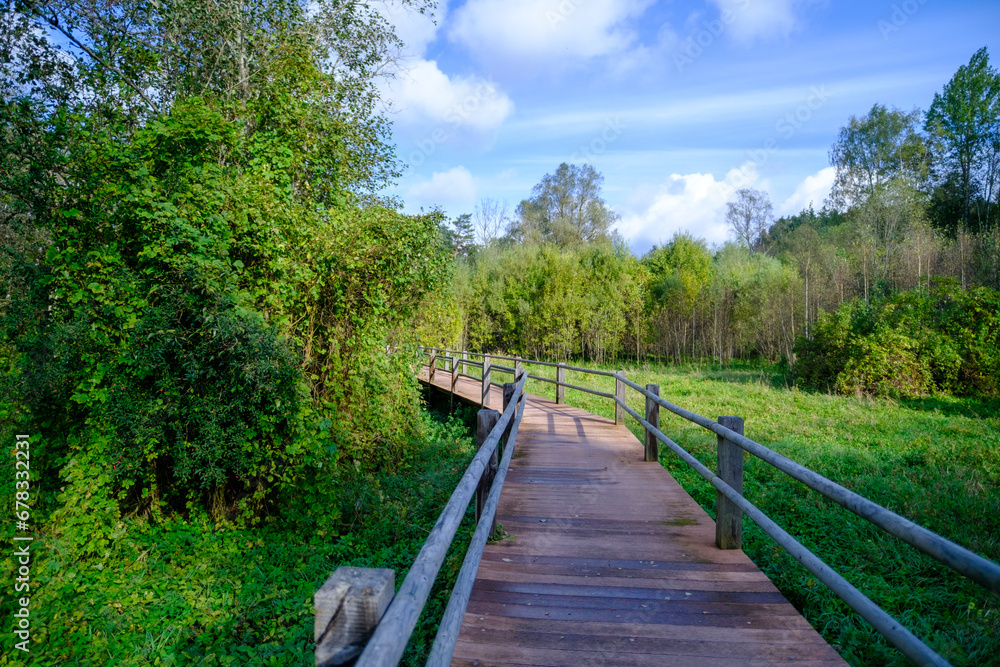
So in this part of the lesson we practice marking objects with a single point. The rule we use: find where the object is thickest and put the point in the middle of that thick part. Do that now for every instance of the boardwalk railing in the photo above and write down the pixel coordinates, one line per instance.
(354, 601)
(730, 502)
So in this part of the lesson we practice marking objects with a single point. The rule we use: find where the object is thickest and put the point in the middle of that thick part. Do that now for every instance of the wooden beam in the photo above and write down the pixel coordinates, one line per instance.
(485, 421)
(486, 380)
(620, 395)
(348, 607)
(561, 383)
(653, 417)
(729, 517)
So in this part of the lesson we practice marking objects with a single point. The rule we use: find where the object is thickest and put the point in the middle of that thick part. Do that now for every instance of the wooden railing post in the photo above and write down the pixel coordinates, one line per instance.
(653, 417)
(517, 368)
(561, 383)
(729, 517)
(485, 421)
(430, 369)
(454, 380)
(348, 607)
(486, 380)
(508, 394)
(465, 367)
(620, 395)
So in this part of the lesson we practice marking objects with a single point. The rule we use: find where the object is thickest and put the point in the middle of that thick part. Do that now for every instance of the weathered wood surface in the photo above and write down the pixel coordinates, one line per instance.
(348, 607)
(610, 561)
(729, 517)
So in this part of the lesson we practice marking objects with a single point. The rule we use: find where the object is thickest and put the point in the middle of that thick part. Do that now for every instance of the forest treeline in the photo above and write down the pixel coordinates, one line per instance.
(909, 234)
(200, 277)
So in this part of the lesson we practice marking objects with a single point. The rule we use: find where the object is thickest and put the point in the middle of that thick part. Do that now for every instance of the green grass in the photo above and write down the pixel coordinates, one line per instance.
(183, 593)
(935, 461)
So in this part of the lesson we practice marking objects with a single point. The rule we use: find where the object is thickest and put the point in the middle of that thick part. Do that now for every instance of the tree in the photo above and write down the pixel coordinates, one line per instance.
(209, 252)
(962, 121)
(679, 273)
(566, 208)
(490, 218)
(462, 234)
(872, 150)
(749, 217)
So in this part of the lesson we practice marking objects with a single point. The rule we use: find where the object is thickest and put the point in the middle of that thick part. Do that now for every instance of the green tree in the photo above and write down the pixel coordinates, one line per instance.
(565, 208)
(962, 121)
(679, 273)
(873, 150)
(210, 263)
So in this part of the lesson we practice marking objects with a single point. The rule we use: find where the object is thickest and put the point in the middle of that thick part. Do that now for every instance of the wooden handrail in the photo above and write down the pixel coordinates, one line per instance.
(984, 572)
(393, 629)
(451, 622)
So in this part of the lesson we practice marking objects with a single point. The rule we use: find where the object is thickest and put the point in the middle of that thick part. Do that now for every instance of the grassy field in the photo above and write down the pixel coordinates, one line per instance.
(935, 461)
(186, 593)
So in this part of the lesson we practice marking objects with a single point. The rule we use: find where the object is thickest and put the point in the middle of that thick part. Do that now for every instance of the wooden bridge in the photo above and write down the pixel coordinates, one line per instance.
(609, 561)
(602, 557)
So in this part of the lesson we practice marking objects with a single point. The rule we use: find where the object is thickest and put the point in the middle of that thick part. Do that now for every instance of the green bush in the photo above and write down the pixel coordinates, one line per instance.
(907, 345)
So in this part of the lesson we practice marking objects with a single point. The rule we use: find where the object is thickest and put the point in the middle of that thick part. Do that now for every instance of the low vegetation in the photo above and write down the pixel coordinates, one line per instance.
(187, 592)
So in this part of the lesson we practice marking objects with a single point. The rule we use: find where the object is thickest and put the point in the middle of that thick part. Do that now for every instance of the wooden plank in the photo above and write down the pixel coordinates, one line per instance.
(609, 553)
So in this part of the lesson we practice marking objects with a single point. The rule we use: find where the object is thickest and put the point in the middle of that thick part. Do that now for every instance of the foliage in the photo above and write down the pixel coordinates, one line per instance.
(565, 208)
(195, 261)
(553, 301)
(749, 217)
(873, 150)
(964, 124)
(187, 591)
(907, 345)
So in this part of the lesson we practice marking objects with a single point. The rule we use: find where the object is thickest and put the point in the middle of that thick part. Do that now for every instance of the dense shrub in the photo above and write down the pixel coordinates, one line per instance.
(906, 345)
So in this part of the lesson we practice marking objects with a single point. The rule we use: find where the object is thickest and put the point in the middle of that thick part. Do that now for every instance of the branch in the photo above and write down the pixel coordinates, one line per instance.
(54, 23)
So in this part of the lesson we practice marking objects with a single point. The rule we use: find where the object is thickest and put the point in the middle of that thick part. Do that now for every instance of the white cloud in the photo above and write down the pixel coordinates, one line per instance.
(694, 203)
(814, 189)
(749, 20)
(453, 190)
(415, 29)
(423, 95)
(529, 31)
(426, 94)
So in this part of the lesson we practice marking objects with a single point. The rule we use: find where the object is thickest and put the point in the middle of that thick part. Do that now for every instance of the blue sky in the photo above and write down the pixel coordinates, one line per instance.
(678, 104)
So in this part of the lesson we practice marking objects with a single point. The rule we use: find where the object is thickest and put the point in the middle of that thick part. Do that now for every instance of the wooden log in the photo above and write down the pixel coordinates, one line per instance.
(729, 517)
(561, 383)
(348, 607)
(653, 417)
(486, 380)
(485, 421)
(620, 395)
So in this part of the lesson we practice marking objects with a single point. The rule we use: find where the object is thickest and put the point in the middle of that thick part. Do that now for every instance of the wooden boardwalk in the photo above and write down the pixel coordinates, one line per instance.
(611, 562)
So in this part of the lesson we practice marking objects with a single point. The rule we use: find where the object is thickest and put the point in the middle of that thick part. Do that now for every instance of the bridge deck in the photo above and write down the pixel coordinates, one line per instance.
(610, 561)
